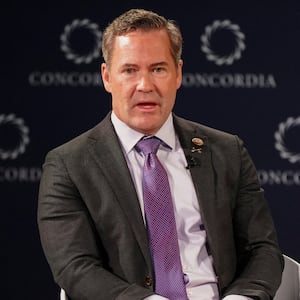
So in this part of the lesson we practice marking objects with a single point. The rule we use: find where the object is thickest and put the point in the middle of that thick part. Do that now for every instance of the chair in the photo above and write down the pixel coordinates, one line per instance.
(63, 295)
(289, 288)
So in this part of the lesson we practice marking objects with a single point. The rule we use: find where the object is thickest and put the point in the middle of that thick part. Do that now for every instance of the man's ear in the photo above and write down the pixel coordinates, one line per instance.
(105, 77)
(179, 73)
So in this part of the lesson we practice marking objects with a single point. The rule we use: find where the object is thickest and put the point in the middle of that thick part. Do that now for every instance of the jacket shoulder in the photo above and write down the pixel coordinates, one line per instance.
(80, 142)
(214, 135)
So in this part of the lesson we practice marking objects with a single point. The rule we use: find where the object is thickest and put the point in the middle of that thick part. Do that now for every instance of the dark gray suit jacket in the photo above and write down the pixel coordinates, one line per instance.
(92, 229)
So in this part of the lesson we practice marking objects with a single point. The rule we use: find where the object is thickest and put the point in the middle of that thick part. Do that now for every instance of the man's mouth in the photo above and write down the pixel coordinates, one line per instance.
(147, 105)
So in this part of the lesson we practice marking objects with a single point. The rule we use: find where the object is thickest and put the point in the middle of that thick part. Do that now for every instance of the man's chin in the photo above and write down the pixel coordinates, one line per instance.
(146, 129)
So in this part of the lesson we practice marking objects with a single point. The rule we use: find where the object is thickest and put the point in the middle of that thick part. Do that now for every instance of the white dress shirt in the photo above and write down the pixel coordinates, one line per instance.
(196, 263)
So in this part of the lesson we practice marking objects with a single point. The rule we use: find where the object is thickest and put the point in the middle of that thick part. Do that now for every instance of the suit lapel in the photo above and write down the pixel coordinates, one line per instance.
(106, 150)
(202, 174)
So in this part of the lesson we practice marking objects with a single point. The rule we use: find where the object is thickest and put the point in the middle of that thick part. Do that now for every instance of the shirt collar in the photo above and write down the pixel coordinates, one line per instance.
(130, 137)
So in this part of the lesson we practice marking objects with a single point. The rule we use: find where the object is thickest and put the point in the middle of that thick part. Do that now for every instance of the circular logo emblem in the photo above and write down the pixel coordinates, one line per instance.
(13, 136)
(77, 51)
(281, 138)
(211, 31)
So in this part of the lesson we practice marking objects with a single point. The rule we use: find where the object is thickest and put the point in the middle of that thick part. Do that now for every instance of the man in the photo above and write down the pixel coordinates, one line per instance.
(92, 213)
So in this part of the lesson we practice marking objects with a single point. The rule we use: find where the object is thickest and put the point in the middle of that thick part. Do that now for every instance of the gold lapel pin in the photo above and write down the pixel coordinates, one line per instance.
(197, 141)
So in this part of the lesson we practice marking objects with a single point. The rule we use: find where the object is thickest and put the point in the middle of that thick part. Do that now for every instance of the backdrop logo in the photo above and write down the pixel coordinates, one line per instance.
(13, 136)
(284, 138)
(212, 32)
(81, 42)
(223, 43)
(81, 30)
(286, 142)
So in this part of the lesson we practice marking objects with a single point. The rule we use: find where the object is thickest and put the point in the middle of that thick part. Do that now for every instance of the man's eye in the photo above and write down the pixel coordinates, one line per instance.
(130, 70)
(158, 70)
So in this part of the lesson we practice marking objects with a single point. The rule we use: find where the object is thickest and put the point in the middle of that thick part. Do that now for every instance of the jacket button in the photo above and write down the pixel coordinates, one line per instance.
(149, 280)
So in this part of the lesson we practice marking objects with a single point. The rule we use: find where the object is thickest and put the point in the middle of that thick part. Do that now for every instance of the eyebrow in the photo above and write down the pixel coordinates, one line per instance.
(161, 63)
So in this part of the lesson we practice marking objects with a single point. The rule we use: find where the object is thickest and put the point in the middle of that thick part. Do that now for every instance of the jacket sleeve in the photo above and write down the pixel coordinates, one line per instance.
(259, 259)
(74, 251)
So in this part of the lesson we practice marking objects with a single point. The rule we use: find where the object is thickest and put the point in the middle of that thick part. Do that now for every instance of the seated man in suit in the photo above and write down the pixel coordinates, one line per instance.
(94, 214)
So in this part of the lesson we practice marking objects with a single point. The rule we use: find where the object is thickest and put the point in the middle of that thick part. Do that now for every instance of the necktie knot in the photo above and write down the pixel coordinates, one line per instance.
(148, 145)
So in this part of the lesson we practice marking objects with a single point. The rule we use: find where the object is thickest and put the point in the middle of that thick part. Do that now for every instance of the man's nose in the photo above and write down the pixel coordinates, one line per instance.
(145, 83)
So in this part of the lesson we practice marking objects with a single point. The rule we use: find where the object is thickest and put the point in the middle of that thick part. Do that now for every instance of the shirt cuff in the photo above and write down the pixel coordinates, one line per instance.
(236, 297)
(156, 297)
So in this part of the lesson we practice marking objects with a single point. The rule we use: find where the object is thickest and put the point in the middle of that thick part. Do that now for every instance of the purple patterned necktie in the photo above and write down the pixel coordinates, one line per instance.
(161, 226)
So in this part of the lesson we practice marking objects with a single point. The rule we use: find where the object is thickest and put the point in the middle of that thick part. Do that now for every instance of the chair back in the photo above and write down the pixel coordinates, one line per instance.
(63, 295)
(289, 288)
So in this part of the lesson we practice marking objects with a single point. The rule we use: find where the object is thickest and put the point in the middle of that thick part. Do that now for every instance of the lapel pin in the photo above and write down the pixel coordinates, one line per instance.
(198, 142)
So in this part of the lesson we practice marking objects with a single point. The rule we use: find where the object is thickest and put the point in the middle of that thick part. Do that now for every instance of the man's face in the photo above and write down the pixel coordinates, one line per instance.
(143, 79)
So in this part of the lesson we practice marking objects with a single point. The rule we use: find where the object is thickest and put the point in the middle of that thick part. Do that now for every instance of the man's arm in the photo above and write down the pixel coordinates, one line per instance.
(260, 262)
(72, 247)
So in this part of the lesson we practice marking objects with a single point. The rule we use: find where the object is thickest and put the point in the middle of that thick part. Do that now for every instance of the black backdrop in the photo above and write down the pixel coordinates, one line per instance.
(241, 74)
